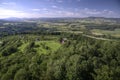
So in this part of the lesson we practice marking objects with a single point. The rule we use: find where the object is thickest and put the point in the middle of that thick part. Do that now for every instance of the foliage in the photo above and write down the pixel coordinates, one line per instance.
(79, 58)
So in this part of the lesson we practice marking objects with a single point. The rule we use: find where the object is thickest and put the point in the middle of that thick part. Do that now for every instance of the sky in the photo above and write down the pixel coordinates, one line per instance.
(59, 8)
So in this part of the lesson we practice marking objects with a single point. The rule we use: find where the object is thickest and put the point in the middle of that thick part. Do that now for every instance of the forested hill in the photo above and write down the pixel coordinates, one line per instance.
(25, 57)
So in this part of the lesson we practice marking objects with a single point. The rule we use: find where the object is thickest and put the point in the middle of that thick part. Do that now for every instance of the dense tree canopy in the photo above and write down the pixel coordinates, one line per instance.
(79, 58)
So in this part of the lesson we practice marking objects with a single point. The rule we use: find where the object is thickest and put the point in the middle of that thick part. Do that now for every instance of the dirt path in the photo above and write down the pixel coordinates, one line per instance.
(97, 38)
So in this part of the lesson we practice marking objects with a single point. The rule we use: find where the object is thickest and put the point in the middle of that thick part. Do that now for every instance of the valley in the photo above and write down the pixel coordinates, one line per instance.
(60, 49)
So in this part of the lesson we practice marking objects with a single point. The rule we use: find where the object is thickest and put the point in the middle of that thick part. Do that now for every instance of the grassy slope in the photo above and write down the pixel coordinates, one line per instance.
(41, 47)
(47, 46)
(115, 33)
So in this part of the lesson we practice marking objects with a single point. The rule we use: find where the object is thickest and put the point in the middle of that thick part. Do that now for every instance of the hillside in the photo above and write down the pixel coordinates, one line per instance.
(43, 57)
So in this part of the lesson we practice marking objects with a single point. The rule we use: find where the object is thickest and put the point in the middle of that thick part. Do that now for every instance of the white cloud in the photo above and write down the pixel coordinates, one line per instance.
(38, 10)
(45, 9)
(60, 1)
(35, 9)
(86, 12)
(8, 3)
(54, 6)
(44, 12)
(5, 13)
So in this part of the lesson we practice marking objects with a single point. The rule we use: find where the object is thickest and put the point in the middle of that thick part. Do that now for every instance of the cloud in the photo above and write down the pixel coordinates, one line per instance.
(54, 6)
(44, 12)
(8, 3)
(91, 11)
(60, 1)
(5, 13)
(45, 9)
(85, 13)
(99, 13)
(35, 9)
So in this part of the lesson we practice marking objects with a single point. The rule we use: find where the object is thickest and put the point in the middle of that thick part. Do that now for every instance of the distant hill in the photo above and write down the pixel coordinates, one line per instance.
(58, 19)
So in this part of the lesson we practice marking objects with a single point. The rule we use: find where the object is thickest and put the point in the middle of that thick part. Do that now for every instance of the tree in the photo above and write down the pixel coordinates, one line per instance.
(22, 74)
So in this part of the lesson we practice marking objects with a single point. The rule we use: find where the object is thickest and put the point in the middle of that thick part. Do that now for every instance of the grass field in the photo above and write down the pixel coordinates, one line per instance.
(115, 33)
(45, 47)
(42, 47)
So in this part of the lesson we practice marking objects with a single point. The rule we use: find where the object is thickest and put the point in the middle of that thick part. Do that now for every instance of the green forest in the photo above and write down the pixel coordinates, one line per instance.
(45, 57)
